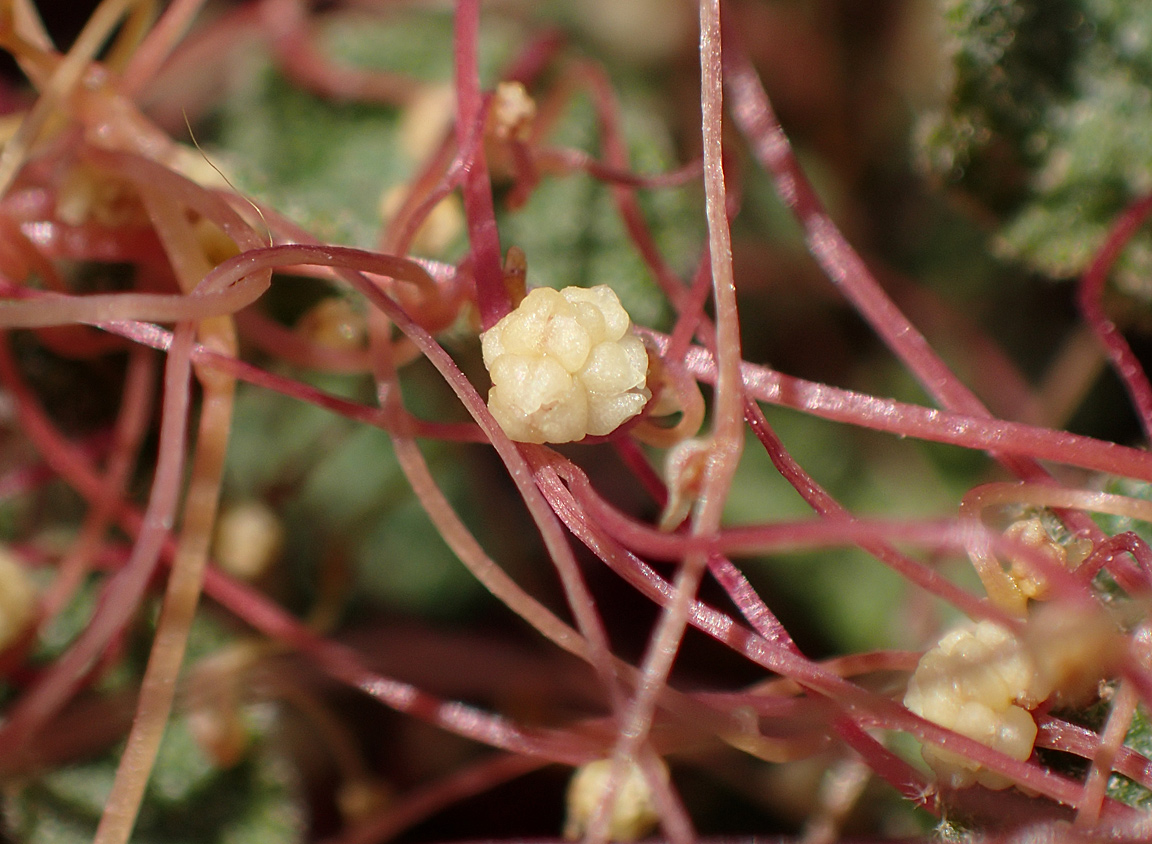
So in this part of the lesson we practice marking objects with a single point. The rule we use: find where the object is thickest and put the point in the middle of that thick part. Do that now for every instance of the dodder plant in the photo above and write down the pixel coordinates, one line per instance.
(164, 672)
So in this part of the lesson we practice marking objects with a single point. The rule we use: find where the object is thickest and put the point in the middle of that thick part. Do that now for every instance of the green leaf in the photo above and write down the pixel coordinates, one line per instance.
(188, 801)
(349, 496)
(327, 164)
(1048, 122)
(403, 564)
(851, 599)
(1139, 738)
(275, 437)
(322, 164)
(1010, 60)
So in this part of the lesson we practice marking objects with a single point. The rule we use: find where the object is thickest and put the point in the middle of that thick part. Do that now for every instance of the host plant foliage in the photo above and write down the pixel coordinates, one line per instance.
(1046, 115)
(291, 553)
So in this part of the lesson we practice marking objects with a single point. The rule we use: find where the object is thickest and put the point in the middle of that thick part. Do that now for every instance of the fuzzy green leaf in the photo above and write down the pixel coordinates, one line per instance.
(1139, 738)
(189, 800)
(326, 164)
(1048, 123)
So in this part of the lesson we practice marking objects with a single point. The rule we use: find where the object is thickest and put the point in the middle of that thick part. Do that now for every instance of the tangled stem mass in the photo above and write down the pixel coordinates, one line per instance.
(121, 254)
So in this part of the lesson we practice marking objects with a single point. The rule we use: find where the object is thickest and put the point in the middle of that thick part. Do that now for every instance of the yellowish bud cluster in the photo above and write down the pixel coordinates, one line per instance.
(249, 537)
(1032, 582)
(17, 599)
(979, 681)
(564, 365)
(633, 813)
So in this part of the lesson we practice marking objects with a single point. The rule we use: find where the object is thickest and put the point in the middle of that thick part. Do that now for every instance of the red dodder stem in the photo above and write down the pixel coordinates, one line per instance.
(131, 428)
(159, 43)
(728, 434)
(1123, 360)
(903, 419)
(58, 683)
(754, 114)
(1111, 740)
(491, 295)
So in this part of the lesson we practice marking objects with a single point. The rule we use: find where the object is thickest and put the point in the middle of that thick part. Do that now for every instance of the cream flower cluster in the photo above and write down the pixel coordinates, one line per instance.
(565, 364)
(979, 681)
(17, 599)
(633, 814)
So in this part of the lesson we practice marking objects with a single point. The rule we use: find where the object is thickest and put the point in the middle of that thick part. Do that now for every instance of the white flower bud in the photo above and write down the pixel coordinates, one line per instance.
(633, 813)
(17, 599)
(249, 537)
(565, 364)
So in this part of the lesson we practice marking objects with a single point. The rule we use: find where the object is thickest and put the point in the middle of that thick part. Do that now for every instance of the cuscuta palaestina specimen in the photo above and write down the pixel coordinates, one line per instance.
(278, 567)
